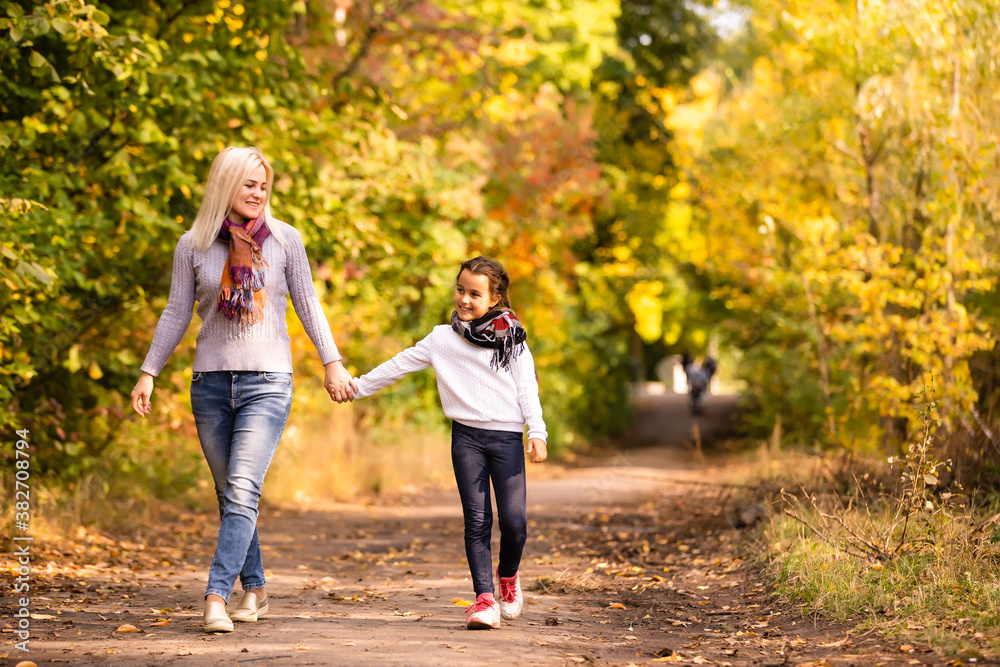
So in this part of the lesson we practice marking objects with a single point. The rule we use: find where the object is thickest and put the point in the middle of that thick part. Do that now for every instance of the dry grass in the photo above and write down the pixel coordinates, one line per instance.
(937, 583)
(944, 591)
(570, 583)
(329, 459)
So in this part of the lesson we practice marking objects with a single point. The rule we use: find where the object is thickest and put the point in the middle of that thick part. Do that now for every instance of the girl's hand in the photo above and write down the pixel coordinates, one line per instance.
(541, 452)
(339, 383)
(141, 394)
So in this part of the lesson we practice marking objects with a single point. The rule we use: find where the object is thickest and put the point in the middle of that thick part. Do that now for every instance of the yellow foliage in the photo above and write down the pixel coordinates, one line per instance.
(517, 52)
(827, 263)
(646, 309)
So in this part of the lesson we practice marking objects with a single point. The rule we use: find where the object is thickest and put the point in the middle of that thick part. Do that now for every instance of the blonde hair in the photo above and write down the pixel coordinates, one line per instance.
(230, 169)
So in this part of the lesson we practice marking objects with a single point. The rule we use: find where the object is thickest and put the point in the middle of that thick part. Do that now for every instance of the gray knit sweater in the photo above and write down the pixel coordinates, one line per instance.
(225, 345)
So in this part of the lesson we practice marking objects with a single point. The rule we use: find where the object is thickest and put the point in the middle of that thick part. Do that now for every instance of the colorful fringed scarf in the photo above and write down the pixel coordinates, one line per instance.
(241, 295)
(498, 329)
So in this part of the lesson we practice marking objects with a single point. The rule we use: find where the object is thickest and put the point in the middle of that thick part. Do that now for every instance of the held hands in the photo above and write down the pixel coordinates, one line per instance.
(141, 395)
(339, 383)
(537, 446)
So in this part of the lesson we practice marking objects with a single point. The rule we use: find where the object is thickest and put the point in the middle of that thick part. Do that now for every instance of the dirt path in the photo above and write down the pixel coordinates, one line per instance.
(631, 559)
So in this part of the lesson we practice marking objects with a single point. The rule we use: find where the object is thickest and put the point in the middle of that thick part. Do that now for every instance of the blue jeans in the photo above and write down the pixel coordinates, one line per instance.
(240, 417)
(478, 456)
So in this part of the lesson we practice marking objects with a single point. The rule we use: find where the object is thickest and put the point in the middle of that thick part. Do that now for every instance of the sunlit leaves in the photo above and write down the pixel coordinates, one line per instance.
(839, 167)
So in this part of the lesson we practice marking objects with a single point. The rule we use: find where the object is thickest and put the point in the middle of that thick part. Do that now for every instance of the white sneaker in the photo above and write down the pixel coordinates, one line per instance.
(484, 614)
(250, 609)
(511, 597)
(216, 618)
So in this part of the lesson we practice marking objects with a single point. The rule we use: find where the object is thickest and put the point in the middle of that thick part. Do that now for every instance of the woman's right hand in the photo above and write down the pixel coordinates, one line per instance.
(141, 395)
(339, 383)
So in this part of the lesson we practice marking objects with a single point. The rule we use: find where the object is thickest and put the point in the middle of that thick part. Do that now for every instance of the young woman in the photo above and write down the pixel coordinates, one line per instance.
(486, 380)
(239, 264)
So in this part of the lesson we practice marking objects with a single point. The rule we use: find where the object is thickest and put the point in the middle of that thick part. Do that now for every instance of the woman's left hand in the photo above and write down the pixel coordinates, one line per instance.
(537, 446)
(339, 383)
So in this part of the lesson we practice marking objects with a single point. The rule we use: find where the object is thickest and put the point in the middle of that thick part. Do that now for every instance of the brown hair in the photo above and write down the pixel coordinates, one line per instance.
(494, 271)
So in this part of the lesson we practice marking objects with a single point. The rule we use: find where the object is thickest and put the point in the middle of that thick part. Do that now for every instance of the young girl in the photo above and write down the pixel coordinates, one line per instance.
(486, 380)
(240, 265)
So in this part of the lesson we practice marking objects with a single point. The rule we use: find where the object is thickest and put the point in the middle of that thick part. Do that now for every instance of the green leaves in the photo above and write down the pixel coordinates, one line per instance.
(13, 10)
(62, 26)
(106, 125)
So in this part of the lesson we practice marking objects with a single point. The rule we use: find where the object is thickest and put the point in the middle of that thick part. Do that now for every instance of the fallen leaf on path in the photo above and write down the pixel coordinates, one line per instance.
(617, 605)
(301, 648)
(41, 617)
(459, 602)
(405, 613)
(906, 648)
(843, 642)
(160, 622)
(127, 628)
(25, 663)
(349, 644)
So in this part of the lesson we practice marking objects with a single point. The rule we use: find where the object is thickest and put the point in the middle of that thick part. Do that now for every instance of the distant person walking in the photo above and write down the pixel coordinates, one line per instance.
(486, 380)
(698, 379)
(240, 264)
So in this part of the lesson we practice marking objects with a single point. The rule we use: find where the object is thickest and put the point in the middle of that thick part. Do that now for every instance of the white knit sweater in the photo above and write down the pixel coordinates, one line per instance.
(227, 345)
(471, 392)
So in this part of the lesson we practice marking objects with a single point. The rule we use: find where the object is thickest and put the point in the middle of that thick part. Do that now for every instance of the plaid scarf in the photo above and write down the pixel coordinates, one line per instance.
(241, 296)
(498, 329)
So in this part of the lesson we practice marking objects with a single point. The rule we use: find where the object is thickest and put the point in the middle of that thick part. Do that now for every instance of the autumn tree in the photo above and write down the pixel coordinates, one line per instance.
(847, 183)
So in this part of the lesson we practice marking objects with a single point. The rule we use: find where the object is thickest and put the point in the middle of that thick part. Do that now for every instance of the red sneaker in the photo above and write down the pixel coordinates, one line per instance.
(511, 597)
(484, 614)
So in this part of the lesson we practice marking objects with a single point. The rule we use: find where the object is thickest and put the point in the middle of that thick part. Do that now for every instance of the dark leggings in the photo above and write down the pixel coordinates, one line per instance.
(479, 455)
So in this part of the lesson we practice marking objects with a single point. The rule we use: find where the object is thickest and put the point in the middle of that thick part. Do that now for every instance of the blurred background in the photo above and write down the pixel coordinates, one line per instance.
(807, 190)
